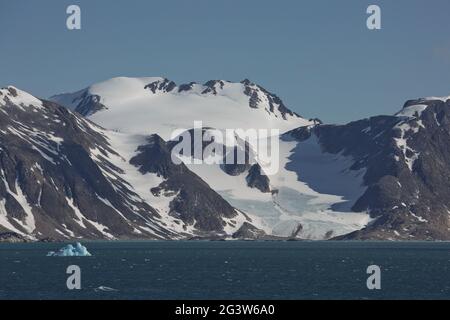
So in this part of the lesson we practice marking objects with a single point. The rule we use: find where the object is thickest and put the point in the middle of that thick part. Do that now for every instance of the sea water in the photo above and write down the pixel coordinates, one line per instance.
(228, 270)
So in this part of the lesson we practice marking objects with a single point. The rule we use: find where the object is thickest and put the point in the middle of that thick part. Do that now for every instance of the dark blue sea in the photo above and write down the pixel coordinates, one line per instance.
(228, 270)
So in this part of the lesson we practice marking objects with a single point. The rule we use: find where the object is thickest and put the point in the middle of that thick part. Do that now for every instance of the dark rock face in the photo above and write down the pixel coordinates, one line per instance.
(191, 134)
(255, 176)
(161, 86)
(12, 91)
(257, 179)
(407, 173)
(245, 163)
(195, 203)
(249, 232)
(82, 102)
(186, 87)
(297, 231)
(238, 166)
(212, 86)
(256, 93)
(300, 134)
(89, 105)
(12, 237)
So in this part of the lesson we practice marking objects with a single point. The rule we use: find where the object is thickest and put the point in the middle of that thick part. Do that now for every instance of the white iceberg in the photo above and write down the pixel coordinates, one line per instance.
(71, 251)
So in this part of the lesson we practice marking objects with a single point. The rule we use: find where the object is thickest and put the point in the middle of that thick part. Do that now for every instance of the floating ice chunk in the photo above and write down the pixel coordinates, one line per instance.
(71, 251)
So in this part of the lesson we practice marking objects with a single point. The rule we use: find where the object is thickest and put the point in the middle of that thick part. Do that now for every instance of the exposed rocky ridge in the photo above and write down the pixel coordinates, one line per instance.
(258, 95)
(190, 190)
(163, 86)
(257, 179)
(85, 103)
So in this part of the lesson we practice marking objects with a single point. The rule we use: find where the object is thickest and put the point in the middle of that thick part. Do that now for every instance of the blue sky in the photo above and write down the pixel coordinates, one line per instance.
(317, 55)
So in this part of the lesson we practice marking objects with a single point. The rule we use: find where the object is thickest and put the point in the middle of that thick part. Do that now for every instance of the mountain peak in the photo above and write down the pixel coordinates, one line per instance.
(159, 105)
(415, 107)
(18, 97)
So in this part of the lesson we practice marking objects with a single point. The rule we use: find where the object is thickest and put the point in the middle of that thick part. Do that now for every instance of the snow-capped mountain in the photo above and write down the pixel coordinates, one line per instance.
(62, 176)
(158, 105)
(405, 159)
(409, 184)
(286, 204)
(112, 176)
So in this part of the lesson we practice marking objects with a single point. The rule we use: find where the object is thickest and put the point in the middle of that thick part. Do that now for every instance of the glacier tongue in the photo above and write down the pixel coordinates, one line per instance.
(312, 188)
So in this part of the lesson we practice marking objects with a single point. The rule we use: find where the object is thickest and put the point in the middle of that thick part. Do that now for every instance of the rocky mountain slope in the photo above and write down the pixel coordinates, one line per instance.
(62, 176)
(405, 159)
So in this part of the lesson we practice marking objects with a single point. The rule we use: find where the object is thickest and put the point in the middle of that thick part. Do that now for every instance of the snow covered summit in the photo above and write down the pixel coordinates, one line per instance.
(158, 105)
